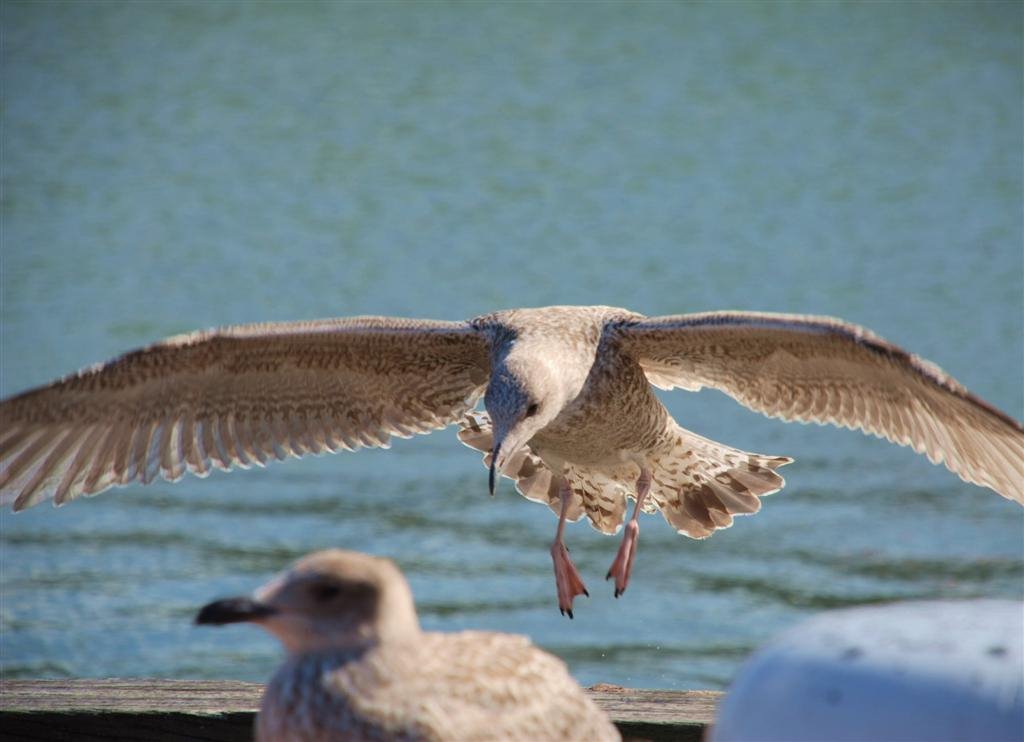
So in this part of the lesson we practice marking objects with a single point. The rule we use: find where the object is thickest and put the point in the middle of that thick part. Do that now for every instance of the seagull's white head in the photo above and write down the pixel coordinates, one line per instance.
(330, 599)
(523, 396)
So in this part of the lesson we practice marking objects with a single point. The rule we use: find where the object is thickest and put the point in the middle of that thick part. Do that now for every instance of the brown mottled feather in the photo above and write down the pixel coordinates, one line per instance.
(244, 395)
(824, 370)
(470, 685)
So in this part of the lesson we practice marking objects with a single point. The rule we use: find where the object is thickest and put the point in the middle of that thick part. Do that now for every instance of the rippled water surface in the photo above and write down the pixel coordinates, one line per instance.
(174, 166)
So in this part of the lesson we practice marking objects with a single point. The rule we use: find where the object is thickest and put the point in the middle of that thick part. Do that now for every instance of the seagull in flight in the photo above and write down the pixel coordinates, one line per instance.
(571, 413)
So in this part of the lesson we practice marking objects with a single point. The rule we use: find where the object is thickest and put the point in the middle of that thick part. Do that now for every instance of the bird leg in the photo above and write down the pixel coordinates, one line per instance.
(623, 563)
(567, 578)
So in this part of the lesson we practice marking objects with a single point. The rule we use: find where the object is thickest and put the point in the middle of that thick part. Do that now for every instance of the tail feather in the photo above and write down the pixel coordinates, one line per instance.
(697, 484)
(700, 485)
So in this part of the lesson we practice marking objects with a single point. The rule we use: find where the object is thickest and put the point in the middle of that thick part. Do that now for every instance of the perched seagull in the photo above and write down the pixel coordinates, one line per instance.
(571, 412)
(360, 667)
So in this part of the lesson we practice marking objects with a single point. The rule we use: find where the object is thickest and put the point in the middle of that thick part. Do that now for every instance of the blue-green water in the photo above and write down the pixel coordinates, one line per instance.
(173, 166)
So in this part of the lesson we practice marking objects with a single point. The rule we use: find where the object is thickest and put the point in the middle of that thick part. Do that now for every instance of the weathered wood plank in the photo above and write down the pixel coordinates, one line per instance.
(131, 695)
(223, 711)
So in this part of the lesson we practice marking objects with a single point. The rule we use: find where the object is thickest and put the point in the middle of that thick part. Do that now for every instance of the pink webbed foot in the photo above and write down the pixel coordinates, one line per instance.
(623, 564)
(567, 578)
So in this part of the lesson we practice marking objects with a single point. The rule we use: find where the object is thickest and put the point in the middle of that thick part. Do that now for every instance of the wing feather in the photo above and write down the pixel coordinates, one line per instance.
(169, 450)
(212, 444)
(101, 473)
(236, 397)
(52, 464)
(824, 370)
(25, 454)
(77, 463)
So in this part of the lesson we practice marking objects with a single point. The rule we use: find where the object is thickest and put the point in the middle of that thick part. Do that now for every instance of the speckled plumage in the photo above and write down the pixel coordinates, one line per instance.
(360, 668)
(572, 414)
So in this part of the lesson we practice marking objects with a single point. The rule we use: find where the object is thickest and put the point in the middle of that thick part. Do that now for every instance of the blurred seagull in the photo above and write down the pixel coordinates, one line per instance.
(572, 415)
(360, 667)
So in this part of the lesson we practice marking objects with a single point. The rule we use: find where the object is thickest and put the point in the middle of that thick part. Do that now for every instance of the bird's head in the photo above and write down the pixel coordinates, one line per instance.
(331, 599)
(522, 398)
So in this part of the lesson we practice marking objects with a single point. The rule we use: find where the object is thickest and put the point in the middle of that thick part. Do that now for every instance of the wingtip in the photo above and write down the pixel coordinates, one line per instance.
(21, 502)
(778, 461)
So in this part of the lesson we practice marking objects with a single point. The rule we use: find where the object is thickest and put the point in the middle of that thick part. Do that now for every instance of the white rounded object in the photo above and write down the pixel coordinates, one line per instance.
(906, 671)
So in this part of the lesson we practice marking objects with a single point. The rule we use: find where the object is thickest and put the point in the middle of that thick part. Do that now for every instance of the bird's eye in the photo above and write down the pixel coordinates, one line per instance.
(323, 592)
(531, 410)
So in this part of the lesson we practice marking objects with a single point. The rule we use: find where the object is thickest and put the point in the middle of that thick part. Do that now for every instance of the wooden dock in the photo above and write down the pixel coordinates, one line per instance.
(223, 711)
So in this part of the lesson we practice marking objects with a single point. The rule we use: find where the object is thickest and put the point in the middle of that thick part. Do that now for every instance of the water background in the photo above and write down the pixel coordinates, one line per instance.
(173, 166)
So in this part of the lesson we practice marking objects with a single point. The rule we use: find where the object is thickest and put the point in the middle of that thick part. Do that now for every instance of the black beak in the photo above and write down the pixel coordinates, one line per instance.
(490, 479)
(233, 610)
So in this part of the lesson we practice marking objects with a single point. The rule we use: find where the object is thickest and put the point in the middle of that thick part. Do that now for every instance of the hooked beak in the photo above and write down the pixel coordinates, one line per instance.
(233, 610)
(504, 447)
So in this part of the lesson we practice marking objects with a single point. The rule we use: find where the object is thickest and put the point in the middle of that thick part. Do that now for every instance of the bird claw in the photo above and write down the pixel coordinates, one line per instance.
(568, 582)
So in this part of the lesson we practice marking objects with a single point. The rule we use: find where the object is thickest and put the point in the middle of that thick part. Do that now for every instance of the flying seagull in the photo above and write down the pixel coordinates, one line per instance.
(571, 413)
(359, 666)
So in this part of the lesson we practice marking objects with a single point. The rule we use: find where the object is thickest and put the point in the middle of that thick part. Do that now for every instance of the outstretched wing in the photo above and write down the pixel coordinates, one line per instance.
(824, 370)
(235, 397)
